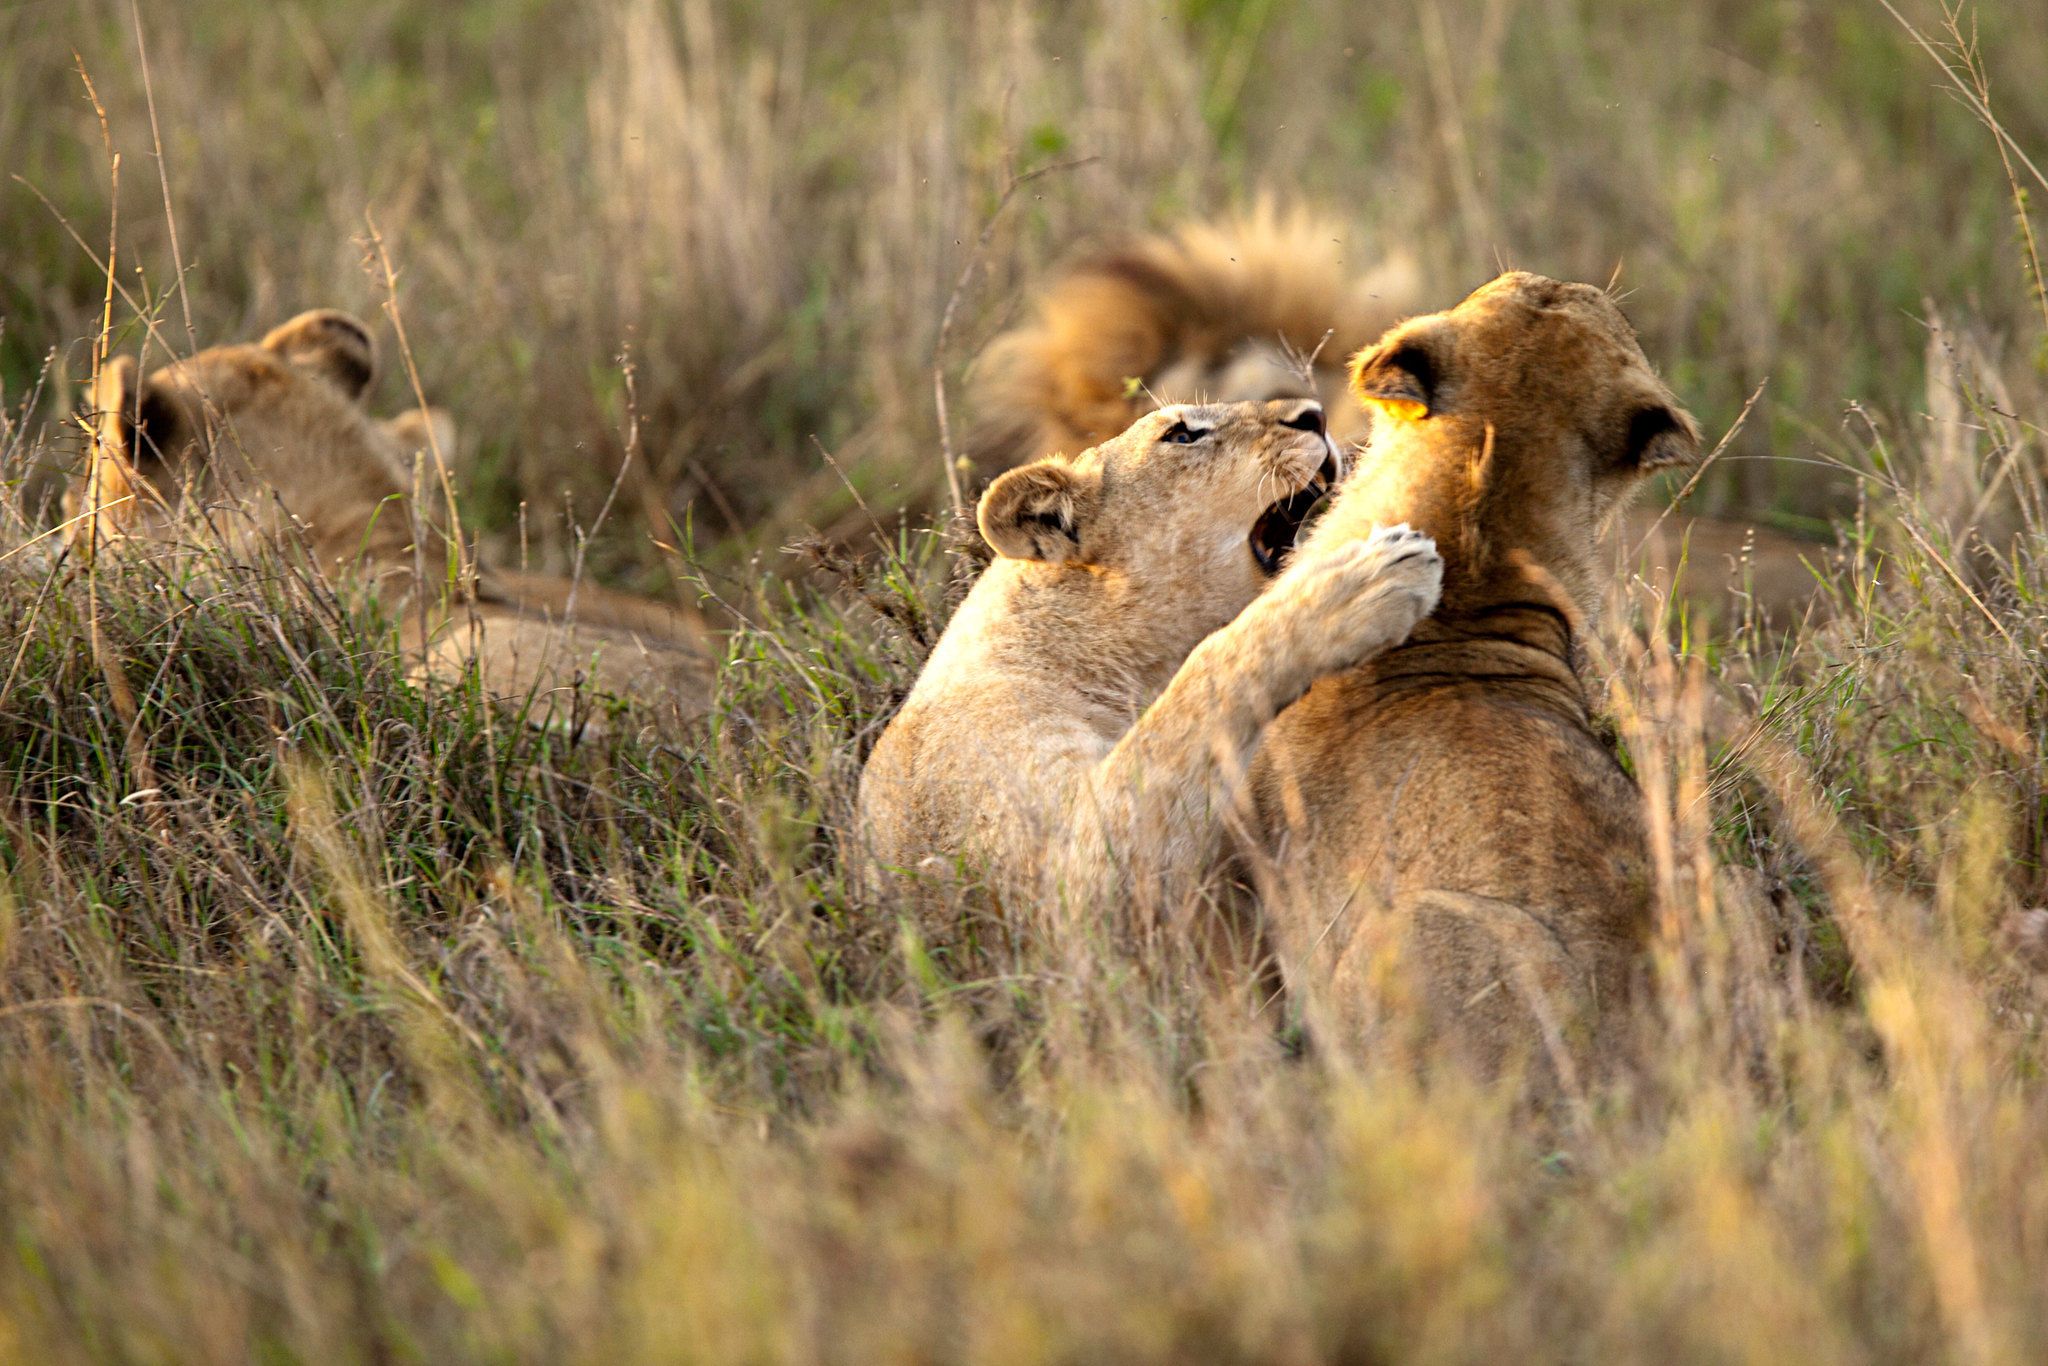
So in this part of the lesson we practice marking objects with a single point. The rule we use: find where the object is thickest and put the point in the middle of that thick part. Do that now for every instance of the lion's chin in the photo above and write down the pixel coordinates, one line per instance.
(1279, 526)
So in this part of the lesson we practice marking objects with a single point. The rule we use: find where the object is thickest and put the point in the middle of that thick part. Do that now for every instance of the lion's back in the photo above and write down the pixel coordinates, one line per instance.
(1470, 788)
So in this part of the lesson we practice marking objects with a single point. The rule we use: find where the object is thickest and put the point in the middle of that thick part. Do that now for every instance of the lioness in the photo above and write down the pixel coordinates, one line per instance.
(258, 439)
(1449, 798)
(1032, 744)
(1231, 313)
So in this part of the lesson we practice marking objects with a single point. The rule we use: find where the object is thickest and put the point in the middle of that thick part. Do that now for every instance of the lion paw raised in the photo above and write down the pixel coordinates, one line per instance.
(1344, 604)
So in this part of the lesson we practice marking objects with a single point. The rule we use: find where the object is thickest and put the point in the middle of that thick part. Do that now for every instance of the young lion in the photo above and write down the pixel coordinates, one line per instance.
(1028, 745)
(260, 439)
(1450, 796)
(236, 425)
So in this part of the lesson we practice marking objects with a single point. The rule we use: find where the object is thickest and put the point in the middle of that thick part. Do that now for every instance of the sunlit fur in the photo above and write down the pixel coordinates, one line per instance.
(1206, 314)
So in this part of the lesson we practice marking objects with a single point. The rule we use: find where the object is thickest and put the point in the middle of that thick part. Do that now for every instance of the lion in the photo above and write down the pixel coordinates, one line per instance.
(1449, 800)
(1075, 730)
(237, 423)
(257, 441)
(1238, 313)
(1206, 314)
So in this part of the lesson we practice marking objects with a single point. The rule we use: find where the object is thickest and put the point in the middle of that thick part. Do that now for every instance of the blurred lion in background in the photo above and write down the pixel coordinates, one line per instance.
(1272, 306)
(1210, 313)
(242, 444)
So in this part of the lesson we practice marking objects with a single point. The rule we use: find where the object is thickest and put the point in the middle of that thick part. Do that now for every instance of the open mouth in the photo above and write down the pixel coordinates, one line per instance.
(1273, 535)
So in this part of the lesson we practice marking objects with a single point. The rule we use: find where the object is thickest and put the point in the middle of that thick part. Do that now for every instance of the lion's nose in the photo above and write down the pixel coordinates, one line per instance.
(1307, 418)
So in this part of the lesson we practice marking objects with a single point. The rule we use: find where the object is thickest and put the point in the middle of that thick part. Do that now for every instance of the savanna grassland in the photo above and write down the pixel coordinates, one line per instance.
(345, 1018)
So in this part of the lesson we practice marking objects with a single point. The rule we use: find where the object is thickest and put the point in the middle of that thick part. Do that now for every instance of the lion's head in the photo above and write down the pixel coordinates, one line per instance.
(1512, 428)
(1200, 500)
(250, 436)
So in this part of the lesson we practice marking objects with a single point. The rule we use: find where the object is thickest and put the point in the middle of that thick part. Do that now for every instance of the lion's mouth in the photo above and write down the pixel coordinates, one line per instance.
(1274, 534)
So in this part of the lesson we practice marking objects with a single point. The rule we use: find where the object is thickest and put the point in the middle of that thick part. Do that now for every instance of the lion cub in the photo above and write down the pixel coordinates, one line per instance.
(1032, 743)
(254, 441)
(1448, 800)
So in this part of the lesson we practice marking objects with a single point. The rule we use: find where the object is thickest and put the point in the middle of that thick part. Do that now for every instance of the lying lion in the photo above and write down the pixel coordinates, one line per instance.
(1232, 313)
(255, 441)
(1074, 731)
(1447, 806)
(1222, 314)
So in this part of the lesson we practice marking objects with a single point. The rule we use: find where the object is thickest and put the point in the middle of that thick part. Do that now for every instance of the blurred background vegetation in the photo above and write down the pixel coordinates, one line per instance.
(767, 204)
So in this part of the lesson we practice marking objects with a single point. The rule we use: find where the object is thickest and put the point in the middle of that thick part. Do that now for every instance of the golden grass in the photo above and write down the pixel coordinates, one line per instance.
(341, 1020)
(383, 1034)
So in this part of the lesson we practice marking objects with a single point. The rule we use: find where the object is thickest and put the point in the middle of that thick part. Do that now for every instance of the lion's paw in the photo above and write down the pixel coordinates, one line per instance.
(1409, 563)
(1357, 598)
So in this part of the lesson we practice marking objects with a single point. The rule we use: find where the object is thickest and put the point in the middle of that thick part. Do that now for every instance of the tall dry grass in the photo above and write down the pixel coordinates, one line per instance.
(386, 1028)
(346, 1019)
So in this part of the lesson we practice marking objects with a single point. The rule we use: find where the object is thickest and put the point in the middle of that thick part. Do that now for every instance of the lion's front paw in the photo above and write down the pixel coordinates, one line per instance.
(1406, 562)
(1357, 598)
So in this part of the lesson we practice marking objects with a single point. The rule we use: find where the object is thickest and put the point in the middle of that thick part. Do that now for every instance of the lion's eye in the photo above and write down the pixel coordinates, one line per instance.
(1180, 434)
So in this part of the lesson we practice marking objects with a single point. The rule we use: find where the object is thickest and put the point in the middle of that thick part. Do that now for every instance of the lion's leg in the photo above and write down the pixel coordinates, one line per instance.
(1151, 810)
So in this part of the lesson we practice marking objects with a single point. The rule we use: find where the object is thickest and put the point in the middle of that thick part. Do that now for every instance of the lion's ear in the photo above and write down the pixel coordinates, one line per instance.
(1038, 511)
(1660, 436)
(328, 345)
(1397, 375)
(135, 420)
(99, 498)
(111, 401)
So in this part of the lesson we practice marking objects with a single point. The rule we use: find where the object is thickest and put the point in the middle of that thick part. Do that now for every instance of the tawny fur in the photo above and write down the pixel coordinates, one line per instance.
(1074, 734)
(1209, 313)
(1206, 314)
(1444, 818)
(267, 439)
